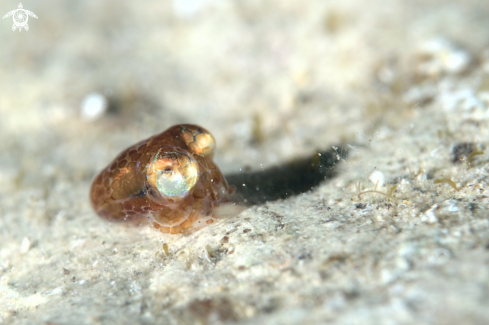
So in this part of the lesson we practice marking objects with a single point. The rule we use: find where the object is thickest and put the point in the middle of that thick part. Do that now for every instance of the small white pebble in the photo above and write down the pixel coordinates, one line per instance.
(94, 105)
(387, 276)
(429, 215)
(377, 177)
(26, 245)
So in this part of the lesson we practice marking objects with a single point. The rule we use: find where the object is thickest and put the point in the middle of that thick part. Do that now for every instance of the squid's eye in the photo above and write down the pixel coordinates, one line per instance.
(173, 175)
(199, 141)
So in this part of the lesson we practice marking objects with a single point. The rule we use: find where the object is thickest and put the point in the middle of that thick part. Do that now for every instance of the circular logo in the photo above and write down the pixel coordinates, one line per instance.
(20, 17)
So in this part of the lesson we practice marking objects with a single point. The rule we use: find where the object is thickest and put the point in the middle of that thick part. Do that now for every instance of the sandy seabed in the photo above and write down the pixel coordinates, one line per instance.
(404, 85)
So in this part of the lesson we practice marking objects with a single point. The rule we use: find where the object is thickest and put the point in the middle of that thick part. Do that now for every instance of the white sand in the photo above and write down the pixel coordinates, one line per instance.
(401, 82)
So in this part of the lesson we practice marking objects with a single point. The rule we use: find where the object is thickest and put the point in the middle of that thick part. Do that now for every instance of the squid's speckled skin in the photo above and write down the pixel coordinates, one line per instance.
(170, 179)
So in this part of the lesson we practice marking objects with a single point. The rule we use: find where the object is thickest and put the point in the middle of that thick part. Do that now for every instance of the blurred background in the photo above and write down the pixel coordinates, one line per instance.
(271, 80)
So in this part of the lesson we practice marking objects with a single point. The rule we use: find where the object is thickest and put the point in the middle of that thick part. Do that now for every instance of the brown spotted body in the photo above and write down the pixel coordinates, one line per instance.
(170, 179)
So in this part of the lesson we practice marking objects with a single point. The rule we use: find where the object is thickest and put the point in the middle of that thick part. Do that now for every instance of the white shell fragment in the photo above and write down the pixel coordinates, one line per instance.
(377, 178)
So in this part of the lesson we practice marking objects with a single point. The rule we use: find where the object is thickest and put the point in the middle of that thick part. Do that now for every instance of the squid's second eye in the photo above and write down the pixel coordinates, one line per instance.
(173, 174)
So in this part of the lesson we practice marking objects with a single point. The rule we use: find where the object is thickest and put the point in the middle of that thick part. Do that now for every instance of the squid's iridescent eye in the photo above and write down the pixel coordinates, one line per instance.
(199, 141)
(173, 174)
